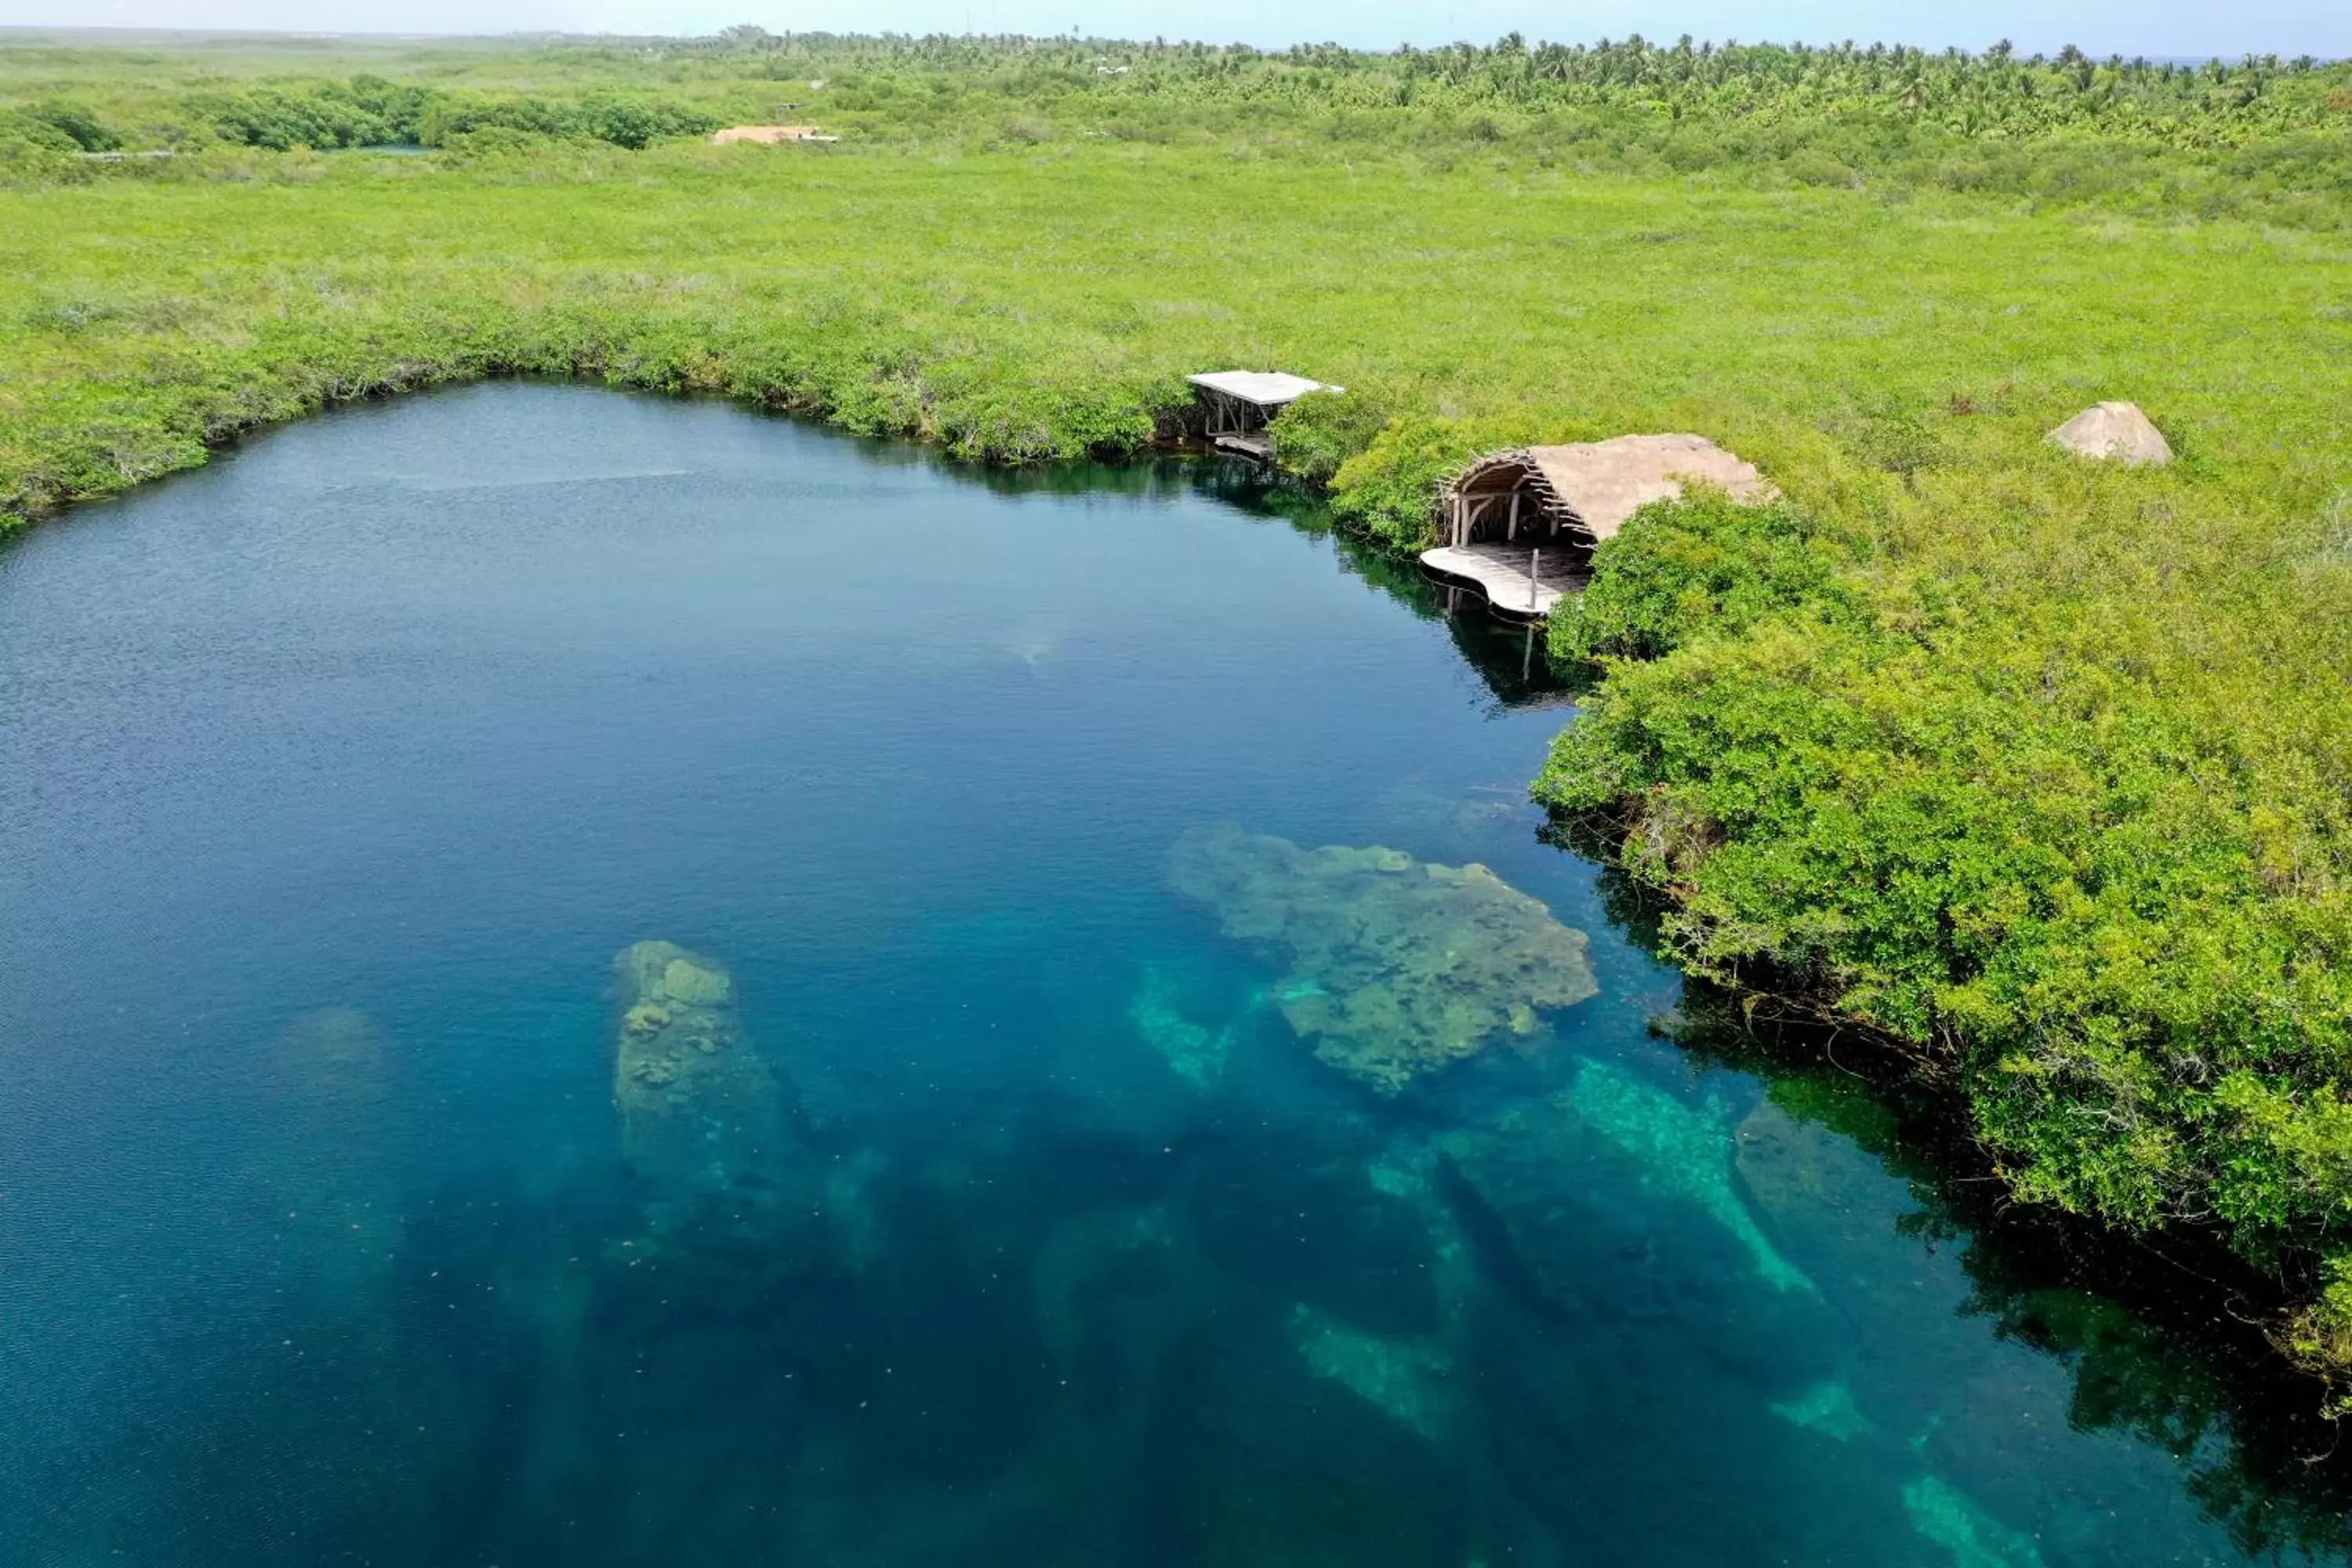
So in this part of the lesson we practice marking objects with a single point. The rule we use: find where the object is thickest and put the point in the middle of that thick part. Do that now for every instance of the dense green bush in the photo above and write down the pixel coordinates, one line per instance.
(1315, 435)
(2058, 880)
(623, 120)
(1703, 564)
(368, 110)
(75, 122)
(23, 134)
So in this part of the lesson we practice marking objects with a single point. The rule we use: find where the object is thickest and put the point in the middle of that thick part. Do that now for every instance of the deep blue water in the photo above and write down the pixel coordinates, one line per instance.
(336, 776)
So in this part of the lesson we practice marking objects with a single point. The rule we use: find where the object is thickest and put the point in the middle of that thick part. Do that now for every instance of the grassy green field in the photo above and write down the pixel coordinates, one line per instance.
(2038, 767)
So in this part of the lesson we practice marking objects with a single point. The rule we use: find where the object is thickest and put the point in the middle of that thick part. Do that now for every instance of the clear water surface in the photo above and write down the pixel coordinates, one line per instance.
(337, 775)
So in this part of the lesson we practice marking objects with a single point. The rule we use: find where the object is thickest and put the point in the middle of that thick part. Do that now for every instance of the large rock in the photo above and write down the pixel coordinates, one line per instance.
(1400, 967)
(2115, 432)
(700, 1111)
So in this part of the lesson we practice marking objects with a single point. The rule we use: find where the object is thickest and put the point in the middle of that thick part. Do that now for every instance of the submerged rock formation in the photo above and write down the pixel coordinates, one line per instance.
(1193, 1051)
(1959, 1524)
(1398, 967)
(2115, 432)
(1682, 1153)
(699, 1110)
(1613, 1200)
(1408, 1380)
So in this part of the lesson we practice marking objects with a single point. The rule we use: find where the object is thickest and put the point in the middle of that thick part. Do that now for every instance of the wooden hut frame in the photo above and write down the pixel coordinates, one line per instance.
(1507, 498)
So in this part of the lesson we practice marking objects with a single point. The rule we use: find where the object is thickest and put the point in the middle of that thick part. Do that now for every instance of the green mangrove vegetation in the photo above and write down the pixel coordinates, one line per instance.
(2034, 766)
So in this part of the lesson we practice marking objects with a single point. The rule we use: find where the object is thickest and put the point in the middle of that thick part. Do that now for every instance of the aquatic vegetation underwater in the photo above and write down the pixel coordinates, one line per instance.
(1399, 968)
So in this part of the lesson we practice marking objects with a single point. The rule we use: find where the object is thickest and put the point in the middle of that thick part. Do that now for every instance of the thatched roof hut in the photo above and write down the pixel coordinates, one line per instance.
(1522, 526)
(1582, 494)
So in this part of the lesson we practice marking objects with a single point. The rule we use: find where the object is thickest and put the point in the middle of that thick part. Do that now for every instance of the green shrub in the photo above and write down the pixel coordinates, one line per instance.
(1389, 490)
(75, 122)
(1701, 565)
(22, 134)
(1315, 435)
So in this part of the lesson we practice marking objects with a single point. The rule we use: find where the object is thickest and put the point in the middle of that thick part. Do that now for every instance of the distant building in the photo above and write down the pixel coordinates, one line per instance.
(770, 135)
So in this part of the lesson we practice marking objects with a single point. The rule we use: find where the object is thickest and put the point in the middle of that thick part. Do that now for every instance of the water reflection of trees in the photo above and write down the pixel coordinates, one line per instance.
(1510, 659)
(1507, 656)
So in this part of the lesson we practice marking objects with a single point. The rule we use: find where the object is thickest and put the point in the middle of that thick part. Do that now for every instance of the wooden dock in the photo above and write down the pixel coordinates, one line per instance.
(1518, 582)
(1256, 445)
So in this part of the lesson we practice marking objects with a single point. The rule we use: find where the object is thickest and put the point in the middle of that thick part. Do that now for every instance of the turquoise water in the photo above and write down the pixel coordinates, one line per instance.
(1042, 1143)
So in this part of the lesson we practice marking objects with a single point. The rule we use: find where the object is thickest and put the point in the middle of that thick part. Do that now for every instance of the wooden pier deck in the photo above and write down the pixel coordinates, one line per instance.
(1501, 573)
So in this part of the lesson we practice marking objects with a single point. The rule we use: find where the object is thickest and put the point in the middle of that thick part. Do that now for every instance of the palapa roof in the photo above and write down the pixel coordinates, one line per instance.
(1266, 389)
(1602, 483)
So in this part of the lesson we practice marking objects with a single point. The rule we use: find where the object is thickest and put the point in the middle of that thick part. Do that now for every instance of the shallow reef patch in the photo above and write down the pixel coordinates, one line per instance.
(1398, 967)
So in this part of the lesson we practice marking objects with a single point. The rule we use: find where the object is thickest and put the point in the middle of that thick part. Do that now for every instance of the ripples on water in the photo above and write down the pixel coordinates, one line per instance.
(973, 1194)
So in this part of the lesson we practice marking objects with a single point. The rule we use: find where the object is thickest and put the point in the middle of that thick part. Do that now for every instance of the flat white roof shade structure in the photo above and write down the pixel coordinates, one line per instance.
(1266, 389)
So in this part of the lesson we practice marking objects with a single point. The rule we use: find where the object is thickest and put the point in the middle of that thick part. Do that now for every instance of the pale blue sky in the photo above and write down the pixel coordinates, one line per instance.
(2155, 27)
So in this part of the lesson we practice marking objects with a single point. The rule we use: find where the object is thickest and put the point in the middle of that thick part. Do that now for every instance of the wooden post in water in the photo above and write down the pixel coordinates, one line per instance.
(1535, 577)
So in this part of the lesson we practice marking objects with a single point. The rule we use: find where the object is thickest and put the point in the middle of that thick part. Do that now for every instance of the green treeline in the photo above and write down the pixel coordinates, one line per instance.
(2255, 135)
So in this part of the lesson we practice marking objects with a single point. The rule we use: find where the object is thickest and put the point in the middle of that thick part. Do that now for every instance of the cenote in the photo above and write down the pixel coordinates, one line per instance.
(594, 980)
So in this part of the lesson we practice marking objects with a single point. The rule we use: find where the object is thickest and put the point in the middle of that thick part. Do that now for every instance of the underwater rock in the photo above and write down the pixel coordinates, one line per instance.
(699, 1109)
(329, 1062)
(1195, 1052)
(1603, 1428)
(1954, 1520)
(1545, 1169)
(1683, 1152)
(1794, 1167)
(1400, 967)
(317, 1169)
(847, 1198)
(1827, 1407)
(1406, 1378)
(1612, 1204)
